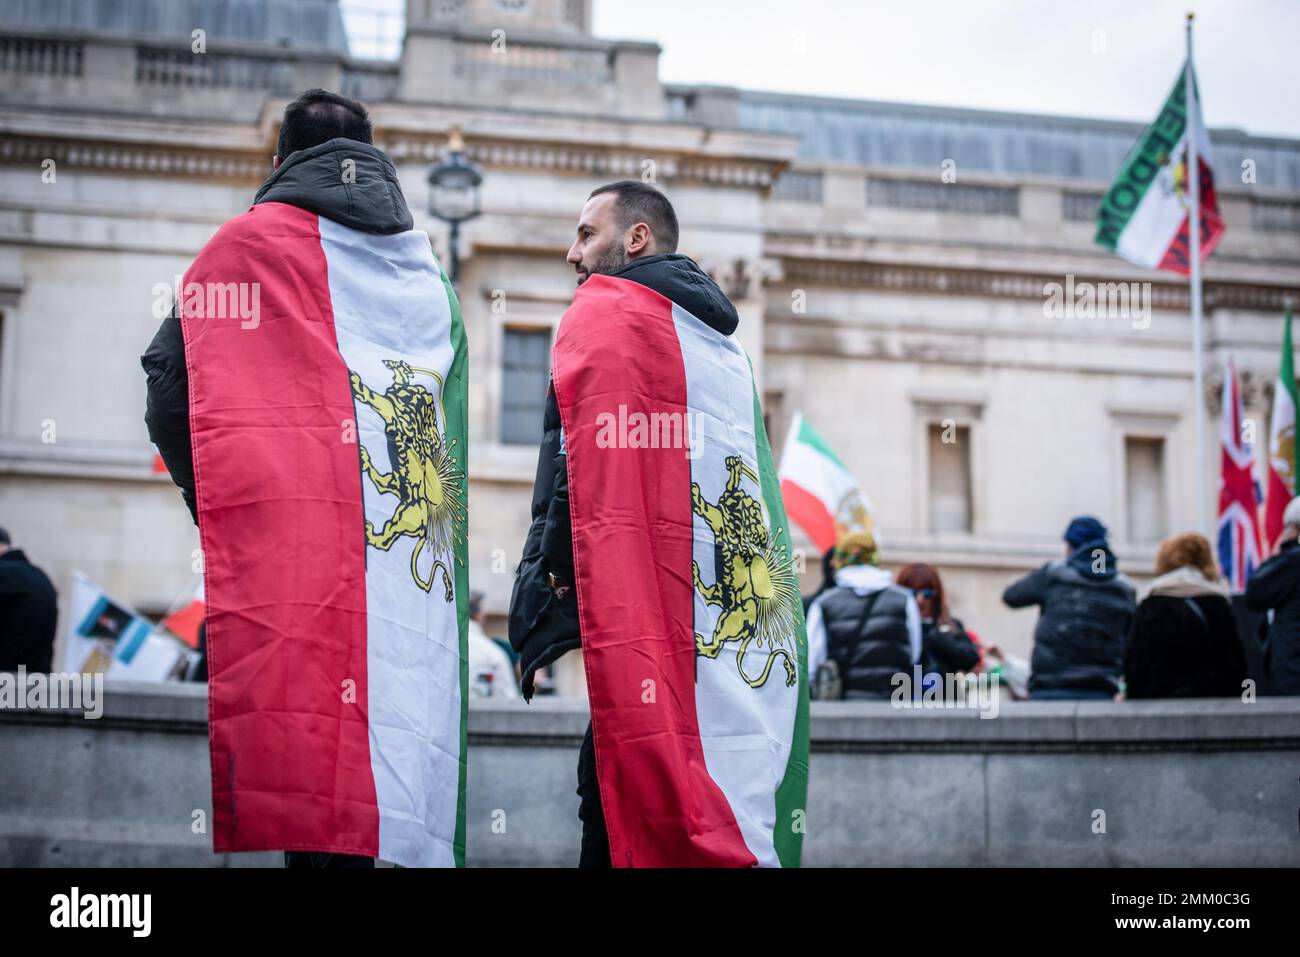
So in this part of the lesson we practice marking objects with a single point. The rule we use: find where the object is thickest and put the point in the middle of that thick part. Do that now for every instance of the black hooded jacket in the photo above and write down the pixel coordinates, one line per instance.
(1275, 586)
(29, 614)
(1087, 610)
(349, 182)
(544, 606)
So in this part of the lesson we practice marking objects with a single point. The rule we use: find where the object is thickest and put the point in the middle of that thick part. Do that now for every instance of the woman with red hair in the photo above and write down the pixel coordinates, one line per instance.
(946, 648)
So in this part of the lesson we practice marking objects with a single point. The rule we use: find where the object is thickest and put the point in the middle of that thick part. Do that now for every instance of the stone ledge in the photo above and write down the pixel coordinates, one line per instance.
(1267, 723)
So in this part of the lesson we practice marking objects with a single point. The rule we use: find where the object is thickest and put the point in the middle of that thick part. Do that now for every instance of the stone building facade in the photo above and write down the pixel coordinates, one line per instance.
(889, 264)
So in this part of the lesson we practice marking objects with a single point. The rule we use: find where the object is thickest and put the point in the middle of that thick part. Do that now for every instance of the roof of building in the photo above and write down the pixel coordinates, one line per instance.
(877, 134)
(300, 24)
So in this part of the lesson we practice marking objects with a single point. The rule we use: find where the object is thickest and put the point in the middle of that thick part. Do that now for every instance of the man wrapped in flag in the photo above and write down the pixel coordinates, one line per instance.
(659, 545)
(308, 395)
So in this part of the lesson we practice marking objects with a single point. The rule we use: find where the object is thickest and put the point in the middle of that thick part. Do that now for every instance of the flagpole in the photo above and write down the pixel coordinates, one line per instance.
(1198, 374)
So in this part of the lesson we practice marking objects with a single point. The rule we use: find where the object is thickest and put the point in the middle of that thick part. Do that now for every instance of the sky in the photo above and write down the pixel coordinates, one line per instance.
(1114, 59)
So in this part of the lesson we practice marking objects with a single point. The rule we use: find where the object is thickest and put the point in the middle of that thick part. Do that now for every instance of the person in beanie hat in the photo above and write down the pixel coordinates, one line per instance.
(1275, 587)
(1087, 609)
(864, 628)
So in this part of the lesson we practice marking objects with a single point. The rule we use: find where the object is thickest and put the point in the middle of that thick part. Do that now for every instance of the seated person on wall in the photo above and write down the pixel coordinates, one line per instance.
(29, 611)
(946, 648)
(864, 625)
(1184, 641)
(1275, 587)
(1087, 608)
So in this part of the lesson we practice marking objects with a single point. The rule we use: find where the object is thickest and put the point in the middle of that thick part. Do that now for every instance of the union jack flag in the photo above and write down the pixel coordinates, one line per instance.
(1239, 538)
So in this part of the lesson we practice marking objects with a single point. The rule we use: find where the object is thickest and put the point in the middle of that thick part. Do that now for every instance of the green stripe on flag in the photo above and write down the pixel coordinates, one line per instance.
(456, 404)
(1152, 151)
(809, 436)
(792, 793)
(1287, 375)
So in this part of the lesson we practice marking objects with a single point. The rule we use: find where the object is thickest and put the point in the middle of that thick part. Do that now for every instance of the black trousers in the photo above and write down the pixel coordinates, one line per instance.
(315, 860)
(595, 839)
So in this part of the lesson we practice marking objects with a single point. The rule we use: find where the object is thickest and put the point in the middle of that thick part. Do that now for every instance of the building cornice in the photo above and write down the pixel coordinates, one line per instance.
(1007, 284)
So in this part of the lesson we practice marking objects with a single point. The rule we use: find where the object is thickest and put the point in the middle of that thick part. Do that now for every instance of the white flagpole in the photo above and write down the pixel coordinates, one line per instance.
(1198, 375)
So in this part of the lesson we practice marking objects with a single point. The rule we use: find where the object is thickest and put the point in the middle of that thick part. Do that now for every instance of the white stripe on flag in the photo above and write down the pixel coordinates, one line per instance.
(1156, 221)
(413, 639)
(746, 732)
(816, 474)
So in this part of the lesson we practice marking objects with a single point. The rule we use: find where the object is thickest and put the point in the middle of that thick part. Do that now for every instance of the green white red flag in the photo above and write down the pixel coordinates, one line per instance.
(1144, 215)
(329, 460)
(1281, 443)
(692, 626)
(821, 495)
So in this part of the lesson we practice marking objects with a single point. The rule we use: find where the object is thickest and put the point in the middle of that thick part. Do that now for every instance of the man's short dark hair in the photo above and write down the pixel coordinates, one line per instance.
(4, 537)
(319, 116)
(639, 202)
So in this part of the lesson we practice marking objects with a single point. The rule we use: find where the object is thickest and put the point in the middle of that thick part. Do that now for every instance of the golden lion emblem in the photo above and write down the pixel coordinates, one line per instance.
(424, 475)
(755, 585)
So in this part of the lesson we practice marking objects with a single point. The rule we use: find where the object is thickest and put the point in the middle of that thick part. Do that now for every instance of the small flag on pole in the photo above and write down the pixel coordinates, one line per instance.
(105, 635)
(821, 495)
(1144, 214)
(1281, 442)
(1239, 547)
(184, 619)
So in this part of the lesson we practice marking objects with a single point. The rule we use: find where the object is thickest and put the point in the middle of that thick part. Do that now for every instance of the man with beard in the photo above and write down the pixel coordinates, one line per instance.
(628, 232)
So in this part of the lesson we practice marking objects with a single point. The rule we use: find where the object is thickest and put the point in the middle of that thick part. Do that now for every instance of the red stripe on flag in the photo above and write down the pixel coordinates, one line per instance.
(632, 544)
(810, 512)
(280, 516)
(1278, 496)
(1178, 256)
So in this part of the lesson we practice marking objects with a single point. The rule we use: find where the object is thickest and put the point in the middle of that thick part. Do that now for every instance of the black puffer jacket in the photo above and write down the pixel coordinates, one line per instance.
(544, 619)
(29, 613)
(369, 198)
(1086, 615)
(1276, 586)
(867, 638)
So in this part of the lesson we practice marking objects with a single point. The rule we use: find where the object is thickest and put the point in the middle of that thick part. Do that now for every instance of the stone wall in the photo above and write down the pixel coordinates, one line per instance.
(1176, 783)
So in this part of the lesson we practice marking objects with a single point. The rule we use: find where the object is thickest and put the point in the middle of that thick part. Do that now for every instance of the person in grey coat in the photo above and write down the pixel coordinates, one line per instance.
(1087, 609)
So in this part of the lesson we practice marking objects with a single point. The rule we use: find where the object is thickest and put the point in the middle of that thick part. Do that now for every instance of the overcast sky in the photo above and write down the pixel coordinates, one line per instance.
(1104, 58)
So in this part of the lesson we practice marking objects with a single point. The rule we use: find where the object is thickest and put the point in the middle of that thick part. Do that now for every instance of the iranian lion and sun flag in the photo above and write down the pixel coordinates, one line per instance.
(329, 459)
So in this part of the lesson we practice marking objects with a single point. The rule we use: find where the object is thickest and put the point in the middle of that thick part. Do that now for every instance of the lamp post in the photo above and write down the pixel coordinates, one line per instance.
(454, 194)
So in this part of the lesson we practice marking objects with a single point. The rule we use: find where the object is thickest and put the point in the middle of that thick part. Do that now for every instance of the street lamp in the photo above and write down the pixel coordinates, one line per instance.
(454, 193)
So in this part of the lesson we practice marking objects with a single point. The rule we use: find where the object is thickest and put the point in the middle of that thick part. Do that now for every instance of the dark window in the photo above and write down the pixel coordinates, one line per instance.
(526, 369)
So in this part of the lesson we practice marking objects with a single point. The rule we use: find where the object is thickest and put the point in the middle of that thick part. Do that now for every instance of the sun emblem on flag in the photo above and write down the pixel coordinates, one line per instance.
(424, 477)
(851, 514)
(1284, 456)
(755, 585)
(1173, 178)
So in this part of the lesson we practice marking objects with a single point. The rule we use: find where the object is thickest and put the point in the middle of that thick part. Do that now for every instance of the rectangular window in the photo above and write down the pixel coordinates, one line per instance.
(944, 197)
(525, 372)
(950, 478)
(1144, 484)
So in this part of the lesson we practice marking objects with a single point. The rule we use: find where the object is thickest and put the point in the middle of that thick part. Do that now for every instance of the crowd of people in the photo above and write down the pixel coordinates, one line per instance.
(1093, 639)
